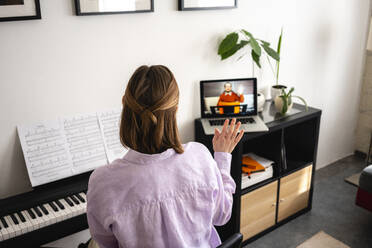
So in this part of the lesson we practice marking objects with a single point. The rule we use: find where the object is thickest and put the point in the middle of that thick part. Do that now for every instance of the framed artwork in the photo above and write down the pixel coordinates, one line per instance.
(18, 10)
(107, 7)
(206, 4)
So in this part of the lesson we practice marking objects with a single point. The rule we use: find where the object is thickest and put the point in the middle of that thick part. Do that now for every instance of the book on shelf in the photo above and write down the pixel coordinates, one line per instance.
(255, 169)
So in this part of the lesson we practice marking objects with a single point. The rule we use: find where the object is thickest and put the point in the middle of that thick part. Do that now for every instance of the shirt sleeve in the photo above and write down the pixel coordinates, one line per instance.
(223, 198)
(103, 237)
(98, 214)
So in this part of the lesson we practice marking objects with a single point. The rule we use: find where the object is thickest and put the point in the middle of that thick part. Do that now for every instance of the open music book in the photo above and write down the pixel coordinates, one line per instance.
(71, 145)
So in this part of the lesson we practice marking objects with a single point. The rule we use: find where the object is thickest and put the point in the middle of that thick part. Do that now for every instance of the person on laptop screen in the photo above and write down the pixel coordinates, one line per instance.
(229, 98)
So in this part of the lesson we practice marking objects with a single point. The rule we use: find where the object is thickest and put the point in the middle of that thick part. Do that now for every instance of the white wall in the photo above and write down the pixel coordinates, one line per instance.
(65, 64)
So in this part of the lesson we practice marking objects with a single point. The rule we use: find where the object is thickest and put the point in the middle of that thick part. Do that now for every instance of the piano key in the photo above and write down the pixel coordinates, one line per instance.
(21, 225)
(76, 201)
(84, 196)
(14, 219)
(29, 223)
(38, 212)
(44, 218)
(78, 208)
(53, 206)
(67, 209)
(69, 202)
(58, 212)
(80, 198)
(39, 221)
(59, 204)
(35, 224)
(51, 215)
(4, 232)
(21, 217)
(12, 228)
(31, 213)
(45, 211)
(4, 222)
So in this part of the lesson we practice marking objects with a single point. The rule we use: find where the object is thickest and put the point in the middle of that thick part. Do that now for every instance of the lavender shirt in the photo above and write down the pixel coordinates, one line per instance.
(161, 200)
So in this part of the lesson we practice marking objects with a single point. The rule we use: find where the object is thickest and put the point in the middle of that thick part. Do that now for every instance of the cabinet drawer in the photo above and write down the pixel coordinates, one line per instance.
(294, 192)
(258, 210)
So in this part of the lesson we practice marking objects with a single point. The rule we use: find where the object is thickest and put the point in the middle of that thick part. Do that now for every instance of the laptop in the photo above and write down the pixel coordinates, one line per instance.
(230, 98)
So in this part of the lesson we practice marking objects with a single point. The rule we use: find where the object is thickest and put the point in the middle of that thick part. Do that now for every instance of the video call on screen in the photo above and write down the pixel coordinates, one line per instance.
(228, 97)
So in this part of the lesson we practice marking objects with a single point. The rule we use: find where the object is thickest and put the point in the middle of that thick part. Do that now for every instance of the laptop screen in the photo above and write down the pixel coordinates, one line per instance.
(228, 97)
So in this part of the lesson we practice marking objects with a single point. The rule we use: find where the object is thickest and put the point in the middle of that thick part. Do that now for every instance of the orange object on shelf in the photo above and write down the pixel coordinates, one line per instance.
(251, 166)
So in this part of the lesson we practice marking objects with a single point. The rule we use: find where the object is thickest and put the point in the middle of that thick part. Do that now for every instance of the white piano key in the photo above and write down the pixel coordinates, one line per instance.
(84, 203)
(12, 229)
(58, 213)
(29, 224)
(67, 210)
(35, 224)
(76, 207)
(43, 218)
(39, 220)
(72, 210)
(4, 232)
(52, 217)
(21, 225)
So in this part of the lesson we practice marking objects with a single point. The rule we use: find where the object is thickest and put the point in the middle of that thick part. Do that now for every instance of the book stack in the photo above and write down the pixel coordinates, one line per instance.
(255, 169)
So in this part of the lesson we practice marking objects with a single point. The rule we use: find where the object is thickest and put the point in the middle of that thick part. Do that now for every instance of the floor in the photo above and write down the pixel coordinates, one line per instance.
(334, 211)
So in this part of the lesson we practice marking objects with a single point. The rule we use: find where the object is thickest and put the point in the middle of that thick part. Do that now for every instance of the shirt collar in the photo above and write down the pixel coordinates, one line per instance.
(144, 158)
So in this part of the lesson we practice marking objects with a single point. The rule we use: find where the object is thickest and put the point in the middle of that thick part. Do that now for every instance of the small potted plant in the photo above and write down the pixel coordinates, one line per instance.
(276, 89)
(284, 103)
(235, 41)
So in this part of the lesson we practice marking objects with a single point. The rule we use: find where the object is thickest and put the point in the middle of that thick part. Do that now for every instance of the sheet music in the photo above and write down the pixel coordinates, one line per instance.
(84, 142)
(45, 151)
(109, 122)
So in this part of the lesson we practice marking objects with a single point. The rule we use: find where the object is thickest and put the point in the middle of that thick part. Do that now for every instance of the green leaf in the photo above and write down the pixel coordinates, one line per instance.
(265, 43)
(253, 42)
(228, 43)
(234, 49)
(271, 52)
(290, 91)
(279, 42)
(303, 100)
(256, 58)
(285, 104)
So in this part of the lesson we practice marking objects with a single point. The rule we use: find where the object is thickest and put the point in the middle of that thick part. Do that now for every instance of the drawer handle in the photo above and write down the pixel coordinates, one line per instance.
(281, 200)
(273, 205)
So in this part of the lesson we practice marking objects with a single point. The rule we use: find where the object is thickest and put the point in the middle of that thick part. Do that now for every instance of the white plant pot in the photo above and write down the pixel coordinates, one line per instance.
(276, 90)
(260, 102)
(279, 105)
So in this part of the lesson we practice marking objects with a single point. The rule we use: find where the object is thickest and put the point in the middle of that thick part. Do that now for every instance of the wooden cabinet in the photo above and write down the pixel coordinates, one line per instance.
(294, 192)
(258, 210)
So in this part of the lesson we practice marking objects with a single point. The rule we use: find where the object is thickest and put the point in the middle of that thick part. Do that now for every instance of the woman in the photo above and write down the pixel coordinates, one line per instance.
(161, 193)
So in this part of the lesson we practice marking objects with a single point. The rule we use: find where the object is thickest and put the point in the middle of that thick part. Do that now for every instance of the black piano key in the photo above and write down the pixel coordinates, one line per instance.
(75, 200)
(80, 198)
(45, 211)
(14, 219)
(31, 213)
(36, 209)
(69, 201)
(60, 204)
(53, 206)
(4, 222)
(21, 217)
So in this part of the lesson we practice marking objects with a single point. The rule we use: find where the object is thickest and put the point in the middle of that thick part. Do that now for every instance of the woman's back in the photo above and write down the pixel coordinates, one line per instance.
(161, 200)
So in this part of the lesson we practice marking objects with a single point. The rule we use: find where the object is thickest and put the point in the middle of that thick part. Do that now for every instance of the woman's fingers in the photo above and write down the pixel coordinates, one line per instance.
(231, 127)
(225, 125)
(239, 137)
(236, 128)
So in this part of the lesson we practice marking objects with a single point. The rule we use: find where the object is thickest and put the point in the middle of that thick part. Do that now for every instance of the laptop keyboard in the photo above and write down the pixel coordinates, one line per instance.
(242, 120)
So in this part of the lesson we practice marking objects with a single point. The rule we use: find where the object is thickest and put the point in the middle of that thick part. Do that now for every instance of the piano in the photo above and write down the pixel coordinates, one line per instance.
(47, 213)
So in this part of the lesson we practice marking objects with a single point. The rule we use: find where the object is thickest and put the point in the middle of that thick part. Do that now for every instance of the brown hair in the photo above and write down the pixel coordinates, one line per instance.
(148, 120)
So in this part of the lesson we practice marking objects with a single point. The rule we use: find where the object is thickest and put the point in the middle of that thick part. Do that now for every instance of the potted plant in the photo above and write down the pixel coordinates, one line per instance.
(235, 41)
(284, 103)
(276, 89)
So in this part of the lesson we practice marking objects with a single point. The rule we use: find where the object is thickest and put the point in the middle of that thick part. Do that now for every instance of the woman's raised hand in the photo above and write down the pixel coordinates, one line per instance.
(228, 138)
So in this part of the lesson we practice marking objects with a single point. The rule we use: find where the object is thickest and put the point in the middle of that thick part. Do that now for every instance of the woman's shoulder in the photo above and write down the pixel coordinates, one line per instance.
(196, 146)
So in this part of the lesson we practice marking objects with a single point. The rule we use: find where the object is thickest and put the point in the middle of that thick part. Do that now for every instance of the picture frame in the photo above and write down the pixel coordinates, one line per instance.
(19, 10)
(189, 5)
(109, 7)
